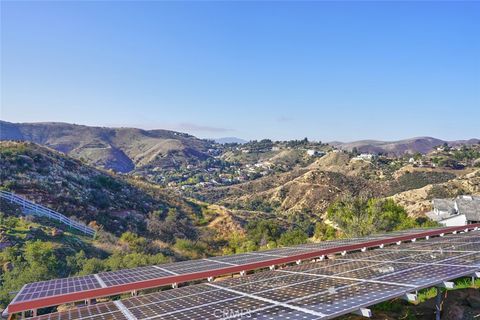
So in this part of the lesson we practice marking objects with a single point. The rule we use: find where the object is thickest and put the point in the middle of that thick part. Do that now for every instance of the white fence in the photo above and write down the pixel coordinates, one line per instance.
(30, 207)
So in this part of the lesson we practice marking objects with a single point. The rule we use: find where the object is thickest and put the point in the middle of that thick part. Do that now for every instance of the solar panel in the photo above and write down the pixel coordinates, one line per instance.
(172, 306)
(378, 270)
(383, 255)
(439, 246)
(429, 275)
(241, 260)
(470, 259)
(304, 289)
(131, 275)
(349, 298)
(108, 283)
(168, 295)
(431, 257)
(103, 311)
(216, 310)
(317, 290)
(336, 269)
(42, 289)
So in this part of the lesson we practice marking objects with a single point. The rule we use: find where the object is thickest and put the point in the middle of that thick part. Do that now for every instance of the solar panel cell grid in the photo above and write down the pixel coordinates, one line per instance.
(375, 271)
(473, 247)
(273, 283)
(211, 266)
(243, 260)
(329, 244)
(278, 312)
(55, 287)
(182, 303)
(131, 275)
(305, 267)
(191, 267)
(256, 277)
(427, 275)
(286, 252)
(304, 289)
(373, 255)
(102, 311)
(470, 259)
(161, 296)
(340, 268)
(432, 257)
(218, 310)
(436, 246)
(455, 239)
(349, 298)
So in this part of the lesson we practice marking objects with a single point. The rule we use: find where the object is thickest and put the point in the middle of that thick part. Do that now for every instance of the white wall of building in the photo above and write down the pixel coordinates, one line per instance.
(458, 220)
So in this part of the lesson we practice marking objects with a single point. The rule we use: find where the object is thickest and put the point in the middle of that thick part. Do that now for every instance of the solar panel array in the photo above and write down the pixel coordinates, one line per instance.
(317, 290)
(60, 287)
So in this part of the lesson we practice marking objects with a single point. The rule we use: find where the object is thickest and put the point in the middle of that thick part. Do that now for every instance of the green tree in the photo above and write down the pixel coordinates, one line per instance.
(133, 242)
(37, 263)
(293, 237)
(361, 216)
(238, 243)
(324, 232)
(177, 225)
(417, 156)
(263, 231)
(93, 265)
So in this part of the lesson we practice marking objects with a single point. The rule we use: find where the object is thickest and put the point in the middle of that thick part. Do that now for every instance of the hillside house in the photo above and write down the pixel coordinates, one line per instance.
(364, 157)
(460, 211)
(315, 153)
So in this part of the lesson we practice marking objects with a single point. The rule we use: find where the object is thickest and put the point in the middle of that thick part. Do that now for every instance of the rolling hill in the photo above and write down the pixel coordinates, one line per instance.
(79, 190)
(400, 147)
(119, 149)
(311, 189)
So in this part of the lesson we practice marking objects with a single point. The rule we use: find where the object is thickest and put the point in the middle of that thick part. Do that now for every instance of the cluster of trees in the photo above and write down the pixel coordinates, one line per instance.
(259, 146)
(467, 155)
(351, 216)
(458, 158)
(361, 216)
(176, 225)
(265, 234)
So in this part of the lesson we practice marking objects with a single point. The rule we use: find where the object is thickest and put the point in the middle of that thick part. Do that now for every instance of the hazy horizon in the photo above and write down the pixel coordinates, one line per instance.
(328, 71)
(241, 138)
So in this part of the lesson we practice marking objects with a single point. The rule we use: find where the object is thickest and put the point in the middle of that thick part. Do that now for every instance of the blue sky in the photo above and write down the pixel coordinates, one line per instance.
(280, 70)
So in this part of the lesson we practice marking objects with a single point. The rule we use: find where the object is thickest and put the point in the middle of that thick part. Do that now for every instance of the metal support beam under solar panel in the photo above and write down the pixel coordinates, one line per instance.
(475, 275)
(410, 297)
(438, 304)
(364, 312)
(439, 297)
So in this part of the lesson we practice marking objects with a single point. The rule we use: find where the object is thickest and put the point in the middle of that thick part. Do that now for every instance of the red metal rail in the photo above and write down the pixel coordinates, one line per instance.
(16, 307)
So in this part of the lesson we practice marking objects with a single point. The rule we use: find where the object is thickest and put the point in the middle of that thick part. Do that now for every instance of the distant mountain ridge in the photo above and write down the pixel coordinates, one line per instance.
(120, 149)
(128, 149)
(400, 147)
